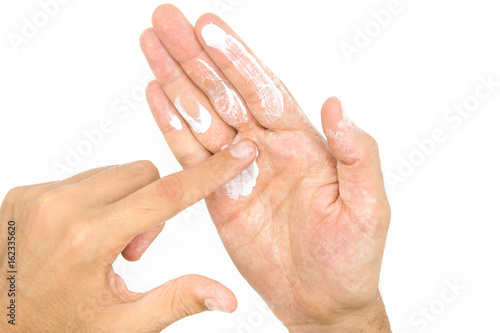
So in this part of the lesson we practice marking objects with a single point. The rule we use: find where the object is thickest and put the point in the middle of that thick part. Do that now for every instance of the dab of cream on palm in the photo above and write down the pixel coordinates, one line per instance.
(243, 184)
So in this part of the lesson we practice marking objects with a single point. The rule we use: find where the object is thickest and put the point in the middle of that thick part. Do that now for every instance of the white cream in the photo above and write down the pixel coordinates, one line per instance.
(200, 123)
(225, 99)
(175, 122)
(243, 184)
(270, 96)
(342, 138)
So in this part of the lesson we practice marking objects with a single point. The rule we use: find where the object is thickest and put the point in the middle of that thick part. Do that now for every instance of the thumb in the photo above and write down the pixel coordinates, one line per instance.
(177, 299)
(358, 162)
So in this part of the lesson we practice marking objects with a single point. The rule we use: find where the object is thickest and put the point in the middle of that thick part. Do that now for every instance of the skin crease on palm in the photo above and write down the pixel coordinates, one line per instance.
(310, 237)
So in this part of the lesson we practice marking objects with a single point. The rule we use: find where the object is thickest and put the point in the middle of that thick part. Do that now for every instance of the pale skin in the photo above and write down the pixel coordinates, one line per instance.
(317, 220)
(309, 238)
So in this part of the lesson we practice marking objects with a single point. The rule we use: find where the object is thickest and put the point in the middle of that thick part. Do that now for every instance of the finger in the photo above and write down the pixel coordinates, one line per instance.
(115, 183)
(210, 130)
(28, 193)
(84, 175)
(358, 162)
(185, 147)
(168, 196)
(266, 97)
(106, 185)
(178, 36)
(177, 299)
(136, 248)
(44, 187)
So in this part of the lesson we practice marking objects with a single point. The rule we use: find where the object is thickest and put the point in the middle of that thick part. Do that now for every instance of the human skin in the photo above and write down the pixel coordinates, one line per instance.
(69, 233)
(311, 236)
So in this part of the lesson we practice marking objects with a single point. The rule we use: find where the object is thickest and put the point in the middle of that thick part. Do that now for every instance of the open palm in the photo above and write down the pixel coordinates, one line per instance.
(309, 234)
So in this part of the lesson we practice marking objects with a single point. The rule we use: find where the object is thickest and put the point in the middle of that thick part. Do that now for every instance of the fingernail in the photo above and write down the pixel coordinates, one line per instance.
(214, 305)
(242, 149)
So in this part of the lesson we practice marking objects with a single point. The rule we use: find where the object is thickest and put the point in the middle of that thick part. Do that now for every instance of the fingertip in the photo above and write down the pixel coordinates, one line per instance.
(227, 306)
(208, 293)
(171, 26)
(332, 99)
(331, 112)
(144, 36)
(243, 149)
(152, 87)
(221, 298)
(340, 131)
(164, 11)
(205, 19)
(148, 41)
(131, 255)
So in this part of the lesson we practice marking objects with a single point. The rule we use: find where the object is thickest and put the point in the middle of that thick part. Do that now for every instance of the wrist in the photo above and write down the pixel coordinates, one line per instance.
(371, 319)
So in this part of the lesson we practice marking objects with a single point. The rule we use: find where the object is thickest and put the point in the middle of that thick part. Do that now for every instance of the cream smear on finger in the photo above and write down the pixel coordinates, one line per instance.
(201, 121)
(270, 96)
(175, 122)
(225, 99)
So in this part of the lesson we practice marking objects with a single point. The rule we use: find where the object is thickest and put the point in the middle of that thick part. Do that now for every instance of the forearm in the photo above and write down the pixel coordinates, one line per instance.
(373, 319)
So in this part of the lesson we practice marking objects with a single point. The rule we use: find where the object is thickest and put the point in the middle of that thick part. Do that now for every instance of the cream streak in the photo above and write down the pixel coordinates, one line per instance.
(225, 100)
(175, 122)
(200, 123)
(270, 96)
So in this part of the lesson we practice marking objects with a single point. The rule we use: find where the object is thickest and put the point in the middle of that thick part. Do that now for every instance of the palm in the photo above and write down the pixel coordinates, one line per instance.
(292, 234)
(310, 236)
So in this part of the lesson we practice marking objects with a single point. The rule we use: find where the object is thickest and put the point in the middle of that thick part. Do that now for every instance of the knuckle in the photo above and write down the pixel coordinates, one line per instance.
(184, 309)
(214, 171)
(254, 100)
(216, 164)
(177, 301)
(189, 158)
(46, 204)
(170, 188)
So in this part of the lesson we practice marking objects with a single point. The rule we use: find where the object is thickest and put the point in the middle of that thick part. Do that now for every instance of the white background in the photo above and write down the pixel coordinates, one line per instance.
(77, 69)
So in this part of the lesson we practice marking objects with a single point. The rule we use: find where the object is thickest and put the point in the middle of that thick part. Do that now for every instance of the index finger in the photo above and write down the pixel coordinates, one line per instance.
(164, 198)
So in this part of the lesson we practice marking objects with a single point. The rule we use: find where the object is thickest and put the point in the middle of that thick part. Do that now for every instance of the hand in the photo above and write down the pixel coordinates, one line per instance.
(68, 234)
(310, 235)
